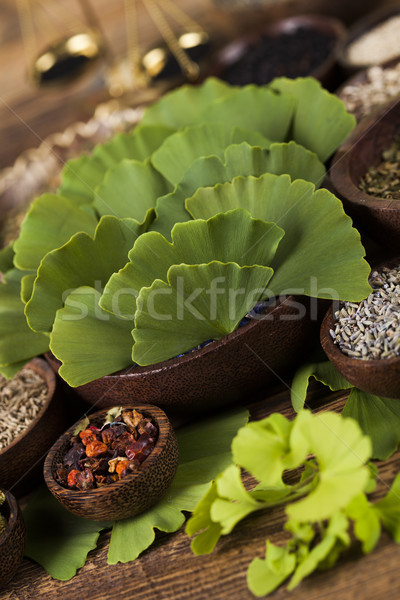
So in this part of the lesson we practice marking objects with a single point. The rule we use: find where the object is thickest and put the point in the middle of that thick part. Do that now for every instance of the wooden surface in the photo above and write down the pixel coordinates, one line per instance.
(169, 570)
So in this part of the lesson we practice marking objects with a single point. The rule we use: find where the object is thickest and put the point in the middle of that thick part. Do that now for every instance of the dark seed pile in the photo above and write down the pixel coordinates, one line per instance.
(293, 54)
(371, 329)
(383, 181)
(100, 456)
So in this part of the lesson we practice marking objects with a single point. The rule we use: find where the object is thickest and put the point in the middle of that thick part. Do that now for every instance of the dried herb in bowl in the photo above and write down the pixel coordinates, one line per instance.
(102, 455)
(383, 181)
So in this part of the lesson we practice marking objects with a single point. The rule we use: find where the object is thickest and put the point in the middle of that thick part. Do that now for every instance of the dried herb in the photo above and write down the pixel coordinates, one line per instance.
(3, 520)
(21, 400)
(383, 180)
(100, 456)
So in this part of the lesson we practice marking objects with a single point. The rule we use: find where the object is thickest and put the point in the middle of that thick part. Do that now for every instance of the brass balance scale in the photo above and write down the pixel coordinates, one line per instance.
(69, 55)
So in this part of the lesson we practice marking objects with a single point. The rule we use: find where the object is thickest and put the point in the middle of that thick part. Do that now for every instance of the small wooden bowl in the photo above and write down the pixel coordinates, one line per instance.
(358, 29)
(380, 377)
(235, 50)
(224, 372)
(21, 461)
(133, 494)
(378, 217)
(12, 541)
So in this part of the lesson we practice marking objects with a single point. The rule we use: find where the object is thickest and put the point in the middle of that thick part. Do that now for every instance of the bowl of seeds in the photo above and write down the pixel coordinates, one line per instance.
(114, 464)
(362, 340)
(12, 537)
(365, 175)
(31, 418)
(372, 40)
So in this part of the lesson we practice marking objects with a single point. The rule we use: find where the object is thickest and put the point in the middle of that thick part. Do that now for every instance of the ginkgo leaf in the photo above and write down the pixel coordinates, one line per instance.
(49, 223)
(321, 122)
(265, 575)
(182, 106)
(240, 159)
(231, 237)
(82, 175)
(89, 342)
(130, 190)
(27, 282)
(82, 261)
(315, 225)
(176, 316)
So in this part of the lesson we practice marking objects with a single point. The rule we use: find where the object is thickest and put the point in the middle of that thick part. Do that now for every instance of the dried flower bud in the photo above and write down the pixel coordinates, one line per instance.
(96, 448)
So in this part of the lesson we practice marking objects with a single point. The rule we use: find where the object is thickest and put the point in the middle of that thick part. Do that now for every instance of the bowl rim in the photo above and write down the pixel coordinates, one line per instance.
(361, 27)
(339, 171)
(40, 366)
(330, 348)
(164, 430)
(12, 520)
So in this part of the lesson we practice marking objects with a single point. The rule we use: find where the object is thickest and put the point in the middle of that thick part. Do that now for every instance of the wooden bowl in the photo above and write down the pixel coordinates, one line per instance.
(359, 28)
(12, 541)
(234, 51)
(228, 370)
(378, 217)
(129, 496)
(380, 377)
(21, 461)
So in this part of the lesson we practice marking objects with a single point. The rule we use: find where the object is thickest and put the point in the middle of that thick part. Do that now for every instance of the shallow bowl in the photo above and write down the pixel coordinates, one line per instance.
(129, 496)
(228, 370)
(12, 541)
(380, 377)
(21, 461)
(229, 55)
(378, 217)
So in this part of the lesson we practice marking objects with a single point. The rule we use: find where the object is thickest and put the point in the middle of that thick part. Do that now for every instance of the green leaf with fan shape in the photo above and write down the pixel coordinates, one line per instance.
(7, 258)
(198, 303)
(130, 190)
(253, 107)
(240, 159)
(231, 237)
(321, 122)
(175, 156)
(379, 418)
(316, 227)
(82, 175)
(182, 106)
(89, 342)
(27, 282)
(18, 343)
(50, 222)
(83, 260)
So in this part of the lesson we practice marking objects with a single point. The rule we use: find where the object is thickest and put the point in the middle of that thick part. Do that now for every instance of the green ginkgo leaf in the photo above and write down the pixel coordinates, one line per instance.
(231, 237)
(198, 303)
(18, 343)
(49, 223)
(175, 156)
(82, 175)
(89, 342)
(27, 282)
(82, 261)
(130, 190)
(182, 106)
(321, 122)
(315, 226)
(240, 159)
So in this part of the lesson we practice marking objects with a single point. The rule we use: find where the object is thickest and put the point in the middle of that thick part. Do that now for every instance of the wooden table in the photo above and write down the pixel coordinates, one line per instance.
(169, 571)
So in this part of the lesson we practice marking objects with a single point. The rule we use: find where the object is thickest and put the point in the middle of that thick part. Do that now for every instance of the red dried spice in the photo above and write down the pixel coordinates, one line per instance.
(98, 457)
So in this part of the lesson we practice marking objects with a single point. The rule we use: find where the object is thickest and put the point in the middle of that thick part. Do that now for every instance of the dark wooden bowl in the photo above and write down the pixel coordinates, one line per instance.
(228, 370)
(12, 541)
(378, 217)
(359, 28)
(324, 24)
(22, 460)
(380, 377)
(133, 494)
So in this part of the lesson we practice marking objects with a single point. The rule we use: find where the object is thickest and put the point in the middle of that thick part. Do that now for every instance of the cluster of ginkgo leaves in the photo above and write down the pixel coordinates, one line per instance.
(327, 502)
